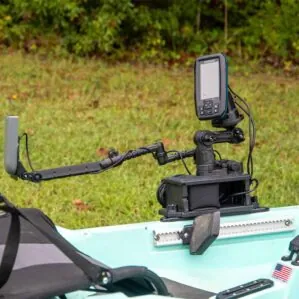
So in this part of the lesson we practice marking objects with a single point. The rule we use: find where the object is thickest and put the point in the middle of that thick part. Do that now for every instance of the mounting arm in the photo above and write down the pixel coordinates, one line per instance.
(204, 154)
(14, 166)
(113, 160)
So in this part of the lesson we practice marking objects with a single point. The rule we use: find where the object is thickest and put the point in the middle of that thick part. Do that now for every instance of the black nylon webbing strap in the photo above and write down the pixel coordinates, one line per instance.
(11, 247)
(91, 270)
(130, 280)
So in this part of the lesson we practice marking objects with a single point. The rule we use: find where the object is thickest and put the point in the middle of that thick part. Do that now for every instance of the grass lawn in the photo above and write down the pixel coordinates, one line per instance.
(74, 110)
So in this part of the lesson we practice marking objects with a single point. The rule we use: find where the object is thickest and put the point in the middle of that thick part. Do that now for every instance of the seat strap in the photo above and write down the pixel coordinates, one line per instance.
(121, 277)
(91, 270)
(11, 246)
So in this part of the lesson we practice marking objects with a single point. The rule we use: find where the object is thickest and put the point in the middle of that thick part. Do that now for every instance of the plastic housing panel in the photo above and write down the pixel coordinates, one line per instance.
(11, 144)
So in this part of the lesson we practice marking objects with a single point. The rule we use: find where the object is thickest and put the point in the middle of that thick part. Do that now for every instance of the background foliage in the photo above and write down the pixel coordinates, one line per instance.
(147, 29)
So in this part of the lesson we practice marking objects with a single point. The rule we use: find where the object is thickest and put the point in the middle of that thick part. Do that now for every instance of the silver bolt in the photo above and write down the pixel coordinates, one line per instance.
(156, 237)
(105, 280)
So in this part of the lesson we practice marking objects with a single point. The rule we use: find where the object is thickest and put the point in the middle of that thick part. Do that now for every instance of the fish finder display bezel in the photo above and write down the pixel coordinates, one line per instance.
(216, 106)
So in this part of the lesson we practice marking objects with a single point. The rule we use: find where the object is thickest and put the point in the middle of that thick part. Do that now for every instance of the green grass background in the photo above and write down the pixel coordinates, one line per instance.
(72, 107)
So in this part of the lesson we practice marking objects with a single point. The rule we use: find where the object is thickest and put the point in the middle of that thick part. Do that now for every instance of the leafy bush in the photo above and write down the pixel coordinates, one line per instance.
(275, 28)
(130, 28)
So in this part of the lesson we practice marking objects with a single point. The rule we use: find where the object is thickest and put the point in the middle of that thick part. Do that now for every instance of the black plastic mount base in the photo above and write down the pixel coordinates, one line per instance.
(294, 251)
(188, 196)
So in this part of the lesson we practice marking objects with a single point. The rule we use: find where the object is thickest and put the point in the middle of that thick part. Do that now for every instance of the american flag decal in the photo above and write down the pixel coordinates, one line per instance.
(282, 272)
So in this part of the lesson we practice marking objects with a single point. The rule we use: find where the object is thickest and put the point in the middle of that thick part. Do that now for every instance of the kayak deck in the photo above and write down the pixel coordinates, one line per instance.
(248, 248)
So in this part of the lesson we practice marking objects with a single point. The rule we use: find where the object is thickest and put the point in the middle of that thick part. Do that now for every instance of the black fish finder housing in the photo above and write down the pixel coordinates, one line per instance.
(211, 93)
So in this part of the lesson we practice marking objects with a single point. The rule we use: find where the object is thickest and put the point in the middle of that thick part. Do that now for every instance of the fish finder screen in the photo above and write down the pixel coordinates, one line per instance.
(209, 79)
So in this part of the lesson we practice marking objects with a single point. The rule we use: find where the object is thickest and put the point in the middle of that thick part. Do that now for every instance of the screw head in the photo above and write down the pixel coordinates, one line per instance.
(105, 280)
(106, 277)
(288, 222)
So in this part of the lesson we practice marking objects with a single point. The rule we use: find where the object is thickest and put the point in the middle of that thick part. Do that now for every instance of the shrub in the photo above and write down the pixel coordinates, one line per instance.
(153, 29)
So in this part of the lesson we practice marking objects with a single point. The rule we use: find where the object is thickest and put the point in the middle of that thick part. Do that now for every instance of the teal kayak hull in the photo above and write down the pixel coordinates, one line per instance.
(248, 248)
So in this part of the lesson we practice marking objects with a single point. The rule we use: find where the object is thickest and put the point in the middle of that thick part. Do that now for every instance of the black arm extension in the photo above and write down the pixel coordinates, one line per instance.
(208, 138)
(157, 149)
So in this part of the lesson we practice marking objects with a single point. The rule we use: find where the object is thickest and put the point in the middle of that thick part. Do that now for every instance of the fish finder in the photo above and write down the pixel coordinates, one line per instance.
(211, 92)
